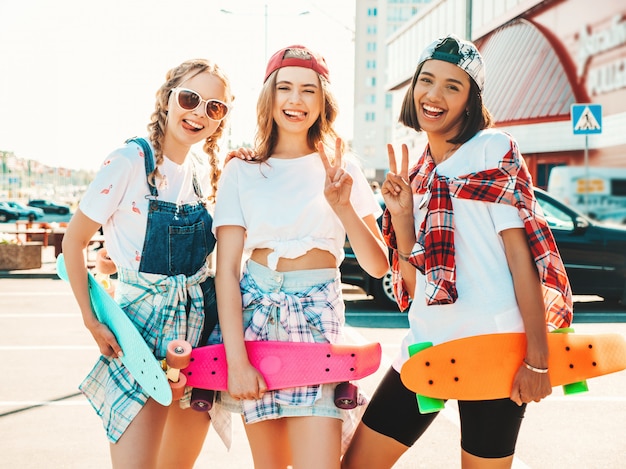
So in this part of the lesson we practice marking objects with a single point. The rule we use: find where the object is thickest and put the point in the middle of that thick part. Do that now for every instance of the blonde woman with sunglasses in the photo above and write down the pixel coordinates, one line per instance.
(290, 209)
(152, 198)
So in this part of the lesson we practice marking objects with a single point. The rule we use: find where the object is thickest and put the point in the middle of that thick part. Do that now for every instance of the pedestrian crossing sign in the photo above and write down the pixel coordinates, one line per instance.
(586, 118)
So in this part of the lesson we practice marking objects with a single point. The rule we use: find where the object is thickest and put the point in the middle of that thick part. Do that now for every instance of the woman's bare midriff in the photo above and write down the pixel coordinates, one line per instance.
(313, 259)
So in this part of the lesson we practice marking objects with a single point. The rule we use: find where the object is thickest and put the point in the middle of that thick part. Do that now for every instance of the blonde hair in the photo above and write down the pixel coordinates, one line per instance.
(158, 119)
(267, 131)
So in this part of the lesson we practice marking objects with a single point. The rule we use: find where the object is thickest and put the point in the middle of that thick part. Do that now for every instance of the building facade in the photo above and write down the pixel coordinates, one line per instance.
(541, 58)
(375, 21)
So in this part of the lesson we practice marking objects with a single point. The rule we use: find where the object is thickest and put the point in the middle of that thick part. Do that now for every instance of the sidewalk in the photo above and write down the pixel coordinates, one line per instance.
(48, 271)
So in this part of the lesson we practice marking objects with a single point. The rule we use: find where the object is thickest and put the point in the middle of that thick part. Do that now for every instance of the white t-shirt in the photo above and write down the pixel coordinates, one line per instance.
(486, 301)
(118, 198)
(281, 205)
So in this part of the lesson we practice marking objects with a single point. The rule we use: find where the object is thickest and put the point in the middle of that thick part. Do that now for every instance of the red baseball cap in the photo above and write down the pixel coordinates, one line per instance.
(297, 56)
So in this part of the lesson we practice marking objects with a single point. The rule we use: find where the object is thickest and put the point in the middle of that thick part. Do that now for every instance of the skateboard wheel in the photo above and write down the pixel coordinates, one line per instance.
(178, 354)
(415, 348)
(202, 399)
(178, 387)
(429, 405)
(575, 388)
(346, 395)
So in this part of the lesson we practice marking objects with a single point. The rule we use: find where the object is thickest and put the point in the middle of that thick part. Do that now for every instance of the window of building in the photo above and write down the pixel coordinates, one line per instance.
(372, 11)
(370, 116)
(618, 187)
(370, 64)
(543, 173)
(371, 47)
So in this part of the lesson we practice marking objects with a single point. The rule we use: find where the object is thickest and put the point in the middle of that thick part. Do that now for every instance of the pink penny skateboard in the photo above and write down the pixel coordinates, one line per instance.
(282, 364)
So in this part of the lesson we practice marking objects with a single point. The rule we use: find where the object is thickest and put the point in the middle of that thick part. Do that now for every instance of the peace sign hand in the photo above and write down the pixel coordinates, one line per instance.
(338, 183)
(396, 190)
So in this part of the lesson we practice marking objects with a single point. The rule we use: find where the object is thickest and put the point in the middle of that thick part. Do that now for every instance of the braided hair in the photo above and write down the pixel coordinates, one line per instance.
(158, 119)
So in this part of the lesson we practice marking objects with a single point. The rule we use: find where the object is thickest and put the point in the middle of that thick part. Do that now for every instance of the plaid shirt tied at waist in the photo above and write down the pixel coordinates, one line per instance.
(297, 313)
(171, 296)
(433, 254)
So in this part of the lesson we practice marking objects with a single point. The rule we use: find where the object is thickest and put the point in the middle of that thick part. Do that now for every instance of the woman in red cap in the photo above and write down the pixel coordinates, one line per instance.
(473, 250)
(289, 211)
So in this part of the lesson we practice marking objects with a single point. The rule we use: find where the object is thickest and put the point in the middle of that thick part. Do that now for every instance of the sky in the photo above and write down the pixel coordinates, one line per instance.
(77, 78)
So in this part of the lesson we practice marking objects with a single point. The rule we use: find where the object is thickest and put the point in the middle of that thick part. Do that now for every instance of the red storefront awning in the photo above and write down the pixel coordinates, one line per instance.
(526, 79)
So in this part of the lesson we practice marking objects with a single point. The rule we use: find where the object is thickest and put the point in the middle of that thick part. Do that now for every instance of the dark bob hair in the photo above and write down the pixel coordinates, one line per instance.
(477, 117)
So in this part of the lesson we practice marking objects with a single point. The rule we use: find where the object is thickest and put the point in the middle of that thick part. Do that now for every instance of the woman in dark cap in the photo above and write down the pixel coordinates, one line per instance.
(473, 251)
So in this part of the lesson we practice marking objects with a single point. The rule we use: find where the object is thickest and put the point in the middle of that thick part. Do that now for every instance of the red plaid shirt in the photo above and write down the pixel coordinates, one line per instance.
(433, 254)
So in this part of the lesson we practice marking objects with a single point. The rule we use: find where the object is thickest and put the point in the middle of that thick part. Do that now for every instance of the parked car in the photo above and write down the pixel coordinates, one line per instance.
(50, 207)
(32, 213)
(352, 273)
(614, 217)
(7, 213)
(594, 255)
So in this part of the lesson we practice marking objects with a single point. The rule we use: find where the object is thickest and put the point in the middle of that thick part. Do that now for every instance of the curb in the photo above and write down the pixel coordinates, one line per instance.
(25, 274)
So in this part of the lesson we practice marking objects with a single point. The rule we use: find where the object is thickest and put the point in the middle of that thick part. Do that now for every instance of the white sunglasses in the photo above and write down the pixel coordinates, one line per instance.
(190, 100)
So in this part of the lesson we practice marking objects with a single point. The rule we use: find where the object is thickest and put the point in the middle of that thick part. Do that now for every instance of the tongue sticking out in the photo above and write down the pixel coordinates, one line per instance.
(294, 115)
(189, 125)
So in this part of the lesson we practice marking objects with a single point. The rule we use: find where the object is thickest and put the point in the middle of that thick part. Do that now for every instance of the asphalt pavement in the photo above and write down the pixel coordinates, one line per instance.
(45, 422)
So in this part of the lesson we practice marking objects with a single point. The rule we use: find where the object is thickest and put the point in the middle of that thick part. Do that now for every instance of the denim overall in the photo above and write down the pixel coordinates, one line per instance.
(178, 239)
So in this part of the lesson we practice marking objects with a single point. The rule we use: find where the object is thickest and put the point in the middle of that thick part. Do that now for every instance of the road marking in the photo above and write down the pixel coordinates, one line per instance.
(355, 337)
(586, 398)
(519, 464)
(390, 314)
(35, 293)
(81, 402)
(38, 315)
(29, 405)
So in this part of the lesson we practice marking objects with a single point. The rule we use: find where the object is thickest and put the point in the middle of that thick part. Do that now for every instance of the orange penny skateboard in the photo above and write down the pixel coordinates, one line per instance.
(282, 364)
(483, 367)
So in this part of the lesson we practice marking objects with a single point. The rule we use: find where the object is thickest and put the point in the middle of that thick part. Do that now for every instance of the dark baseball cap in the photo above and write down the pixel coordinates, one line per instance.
(463, 54)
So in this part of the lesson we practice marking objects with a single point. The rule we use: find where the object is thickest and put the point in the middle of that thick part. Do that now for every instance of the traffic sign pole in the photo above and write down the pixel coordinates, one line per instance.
(586, 119)
(587, 188)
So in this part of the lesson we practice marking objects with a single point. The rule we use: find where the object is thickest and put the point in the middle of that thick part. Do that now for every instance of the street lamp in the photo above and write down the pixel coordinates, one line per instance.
(265, 22)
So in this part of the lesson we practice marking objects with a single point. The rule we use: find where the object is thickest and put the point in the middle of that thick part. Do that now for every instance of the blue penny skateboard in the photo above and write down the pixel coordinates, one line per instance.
(137, 357)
